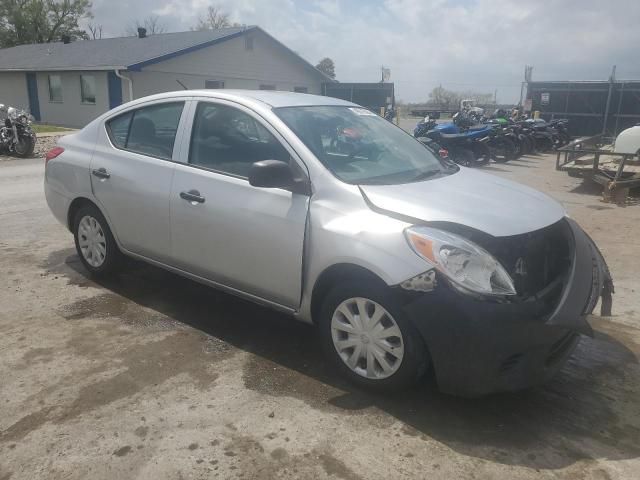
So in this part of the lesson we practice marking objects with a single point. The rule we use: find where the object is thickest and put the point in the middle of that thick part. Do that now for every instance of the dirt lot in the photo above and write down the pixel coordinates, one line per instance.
(152, 376)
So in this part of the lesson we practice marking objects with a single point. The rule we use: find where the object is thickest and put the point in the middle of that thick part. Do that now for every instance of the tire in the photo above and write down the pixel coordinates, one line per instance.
(462, 156)
(503, 150)
(481, 154)
(544, 144)
(99, 253)
(25, 146)
(408, 345)
(527, 146)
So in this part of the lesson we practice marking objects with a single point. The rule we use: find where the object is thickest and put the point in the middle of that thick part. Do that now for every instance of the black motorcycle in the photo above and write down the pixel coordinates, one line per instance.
(16, 135)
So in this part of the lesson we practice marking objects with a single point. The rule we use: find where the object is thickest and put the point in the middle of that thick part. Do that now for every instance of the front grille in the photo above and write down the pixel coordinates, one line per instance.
(537, 261)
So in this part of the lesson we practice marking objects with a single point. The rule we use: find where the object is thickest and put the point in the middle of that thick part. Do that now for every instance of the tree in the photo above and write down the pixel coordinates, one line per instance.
(151, 24)
(95, 31)
(327, 67)
(448, 99)
(41, 21)
(213, 19)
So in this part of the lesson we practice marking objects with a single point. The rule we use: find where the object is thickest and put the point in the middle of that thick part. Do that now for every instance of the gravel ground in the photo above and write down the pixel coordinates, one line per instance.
(151, 376)
(43, 145)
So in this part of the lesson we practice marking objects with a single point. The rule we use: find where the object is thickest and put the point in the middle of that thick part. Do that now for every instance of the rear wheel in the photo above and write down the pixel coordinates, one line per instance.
(502, 150)
(462, 156)
(24, 146)
(527, 144)
(94, 241)
(544, 144)
(367, 336)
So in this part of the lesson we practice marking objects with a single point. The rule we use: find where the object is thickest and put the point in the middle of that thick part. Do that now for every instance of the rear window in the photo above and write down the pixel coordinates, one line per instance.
(119, 129)
(149, 130)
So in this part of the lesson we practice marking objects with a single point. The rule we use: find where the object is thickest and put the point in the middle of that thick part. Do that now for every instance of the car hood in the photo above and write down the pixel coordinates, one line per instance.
(478, 200)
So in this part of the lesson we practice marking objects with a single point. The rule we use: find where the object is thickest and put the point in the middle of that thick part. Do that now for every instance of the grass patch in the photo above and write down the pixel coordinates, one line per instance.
(41, 128)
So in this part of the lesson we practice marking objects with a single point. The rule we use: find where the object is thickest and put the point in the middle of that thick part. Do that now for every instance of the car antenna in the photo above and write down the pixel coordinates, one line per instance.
(182, 84)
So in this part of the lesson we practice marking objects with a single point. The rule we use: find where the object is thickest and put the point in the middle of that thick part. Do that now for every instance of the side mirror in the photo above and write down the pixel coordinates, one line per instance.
(276, 174)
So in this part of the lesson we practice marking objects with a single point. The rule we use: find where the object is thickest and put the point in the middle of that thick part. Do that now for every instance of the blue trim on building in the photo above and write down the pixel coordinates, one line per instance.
(32, 92)
(136, 67)
(114, 87)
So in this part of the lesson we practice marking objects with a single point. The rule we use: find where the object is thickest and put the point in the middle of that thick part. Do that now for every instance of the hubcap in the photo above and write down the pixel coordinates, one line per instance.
(367, 338)
(92, 241)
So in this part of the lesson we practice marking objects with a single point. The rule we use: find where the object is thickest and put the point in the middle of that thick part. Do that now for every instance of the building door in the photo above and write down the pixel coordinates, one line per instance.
(115, 90)
(32, 92)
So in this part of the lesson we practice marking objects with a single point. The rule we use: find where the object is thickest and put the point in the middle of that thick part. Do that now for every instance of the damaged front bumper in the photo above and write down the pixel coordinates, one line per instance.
(480, 345)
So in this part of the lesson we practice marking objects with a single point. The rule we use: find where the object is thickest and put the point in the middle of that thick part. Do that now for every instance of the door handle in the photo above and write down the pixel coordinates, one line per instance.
(101, 173)
(192, 196)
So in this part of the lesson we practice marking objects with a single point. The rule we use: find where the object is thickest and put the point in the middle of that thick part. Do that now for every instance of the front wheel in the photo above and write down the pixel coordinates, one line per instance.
(94, 241)
(367, 336)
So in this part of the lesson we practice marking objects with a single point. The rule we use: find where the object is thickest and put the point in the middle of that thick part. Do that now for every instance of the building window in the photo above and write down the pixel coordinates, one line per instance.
(267, 87)
(248, 42)
(55, 88)
(213, 84)
(88, 89)
(300, 89)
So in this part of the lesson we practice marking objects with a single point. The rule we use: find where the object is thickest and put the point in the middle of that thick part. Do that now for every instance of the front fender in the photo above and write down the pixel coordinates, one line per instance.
(362, 238)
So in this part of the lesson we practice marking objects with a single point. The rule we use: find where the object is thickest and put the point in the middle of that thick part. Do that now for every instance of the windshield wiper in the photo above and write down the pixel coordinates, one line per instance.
(424, 175)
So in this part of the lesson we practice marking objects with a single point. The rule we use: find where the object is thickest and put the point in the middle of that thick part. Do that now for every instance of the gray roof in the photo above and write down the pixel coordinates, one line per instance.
(122, 53)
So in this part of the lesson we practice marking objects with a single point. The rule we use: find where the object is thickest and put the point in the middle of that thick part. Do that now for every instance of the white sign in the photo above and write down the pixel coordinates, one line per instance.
(544, 98)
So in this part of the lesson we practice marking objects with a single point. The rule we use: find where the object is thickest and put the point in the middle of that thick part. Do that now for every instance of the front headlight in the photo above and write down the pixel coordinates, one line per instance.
(463, 262)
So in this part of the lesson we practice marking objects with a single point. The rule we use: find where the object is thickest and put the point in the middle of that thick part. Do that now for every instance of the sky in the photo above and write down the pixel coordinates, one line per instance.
(463, 45)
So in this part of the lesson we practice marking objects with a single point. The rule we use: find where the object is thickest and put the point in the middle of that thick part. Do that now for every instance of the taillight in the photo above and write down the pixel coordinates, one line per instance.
(53, 153)
(443, 153)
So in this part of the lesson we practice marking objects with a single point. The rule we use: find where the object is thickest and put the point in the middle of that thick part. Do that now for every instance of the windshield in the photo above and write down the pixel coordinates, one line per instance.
(360, 147)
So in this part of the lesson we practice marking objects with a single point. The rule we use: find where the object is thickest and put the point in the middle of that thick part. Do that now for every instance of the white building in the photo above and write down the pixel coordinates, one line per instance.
(72, 83)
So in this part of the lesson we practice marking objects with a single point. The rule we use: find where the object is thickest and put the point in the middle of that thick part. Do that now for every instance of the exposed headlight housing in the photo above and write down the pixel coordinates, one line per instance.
(466, 264)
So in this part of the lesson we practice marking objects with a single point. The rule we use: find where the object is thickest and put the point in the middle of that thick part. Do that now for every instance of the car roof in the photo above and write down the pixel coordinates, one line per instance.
(272, 98)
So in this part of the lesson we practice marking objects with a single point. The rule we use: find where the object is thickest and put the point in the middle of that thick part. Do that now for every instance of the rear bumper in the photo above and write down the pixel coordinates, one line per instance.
(479, 346)
(58, 203)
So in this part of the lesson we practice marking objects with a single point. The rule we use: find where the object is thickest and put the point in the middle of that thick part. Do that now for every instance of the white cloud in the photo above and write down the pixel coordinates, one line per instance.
(461, 44)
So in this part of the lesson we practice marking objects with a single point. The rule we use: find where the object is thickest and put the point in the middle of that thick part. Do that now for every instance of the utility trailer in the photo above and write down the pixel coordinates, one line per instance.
(595, 158)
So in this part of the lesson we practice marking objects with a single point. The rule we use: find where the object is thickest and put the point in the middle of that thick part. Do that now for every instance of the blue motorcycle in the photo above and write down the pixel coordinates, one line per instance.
(466, 147)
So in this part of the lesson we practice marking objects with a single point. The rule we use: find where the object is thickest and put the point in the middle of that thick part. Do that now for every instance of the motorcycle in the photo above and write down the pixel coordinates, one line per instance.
(16, 134)
(390, 114)
(467, 144)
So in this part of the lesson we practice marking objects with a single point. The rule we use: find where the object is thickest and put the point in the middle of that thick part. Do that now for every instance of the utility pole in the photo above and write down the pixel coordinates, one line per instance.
(528, 69)
(612, 80)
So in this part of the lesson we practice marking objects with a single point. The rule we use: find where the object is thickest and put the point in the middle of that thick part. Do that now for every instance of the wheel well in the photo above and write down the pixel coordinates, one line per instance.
(332, 276)
(76, 205)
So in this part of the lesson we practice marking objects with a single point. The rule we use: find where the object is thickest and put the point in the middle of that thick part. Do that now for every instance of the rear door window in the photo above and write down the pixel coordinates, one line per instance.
(149, 130)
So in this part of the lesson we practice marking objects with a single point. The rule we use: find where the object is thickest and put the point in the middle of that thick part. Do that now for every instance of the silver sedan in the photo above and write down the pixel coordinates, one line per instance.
(321, 209)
